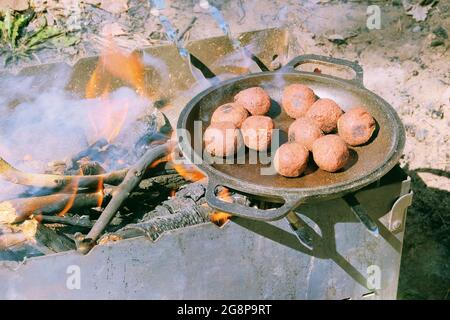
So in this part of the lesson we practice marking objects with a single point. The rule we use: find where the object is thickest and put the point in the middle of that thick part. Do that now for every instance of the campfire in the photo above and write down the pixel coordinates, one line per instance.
(86, 192)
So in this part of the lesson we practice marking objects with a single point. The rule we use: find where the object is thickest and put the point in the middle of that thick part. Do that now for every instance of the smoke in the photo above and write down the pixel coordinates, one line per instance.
(42, 122)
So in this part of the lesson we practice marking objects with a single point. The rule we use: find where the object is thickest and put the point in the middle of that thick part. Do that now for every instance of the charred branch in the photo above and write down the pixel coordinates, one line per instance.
(131, 180)
(155, 227)
(52, 239)
(186, 208)
(76, 221)
(17, 210)
(53, 181)
(171, 181)
(38, 238)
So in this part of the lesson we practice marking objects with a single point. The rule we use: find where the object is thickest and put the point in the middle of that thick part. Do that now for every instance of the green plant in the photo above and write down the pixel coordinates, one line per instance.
(17, 41)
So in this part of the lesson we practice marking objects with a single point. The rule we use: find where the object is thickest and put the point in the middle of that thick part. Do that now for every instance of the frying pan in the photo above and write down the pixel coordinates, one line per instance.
(369, 162)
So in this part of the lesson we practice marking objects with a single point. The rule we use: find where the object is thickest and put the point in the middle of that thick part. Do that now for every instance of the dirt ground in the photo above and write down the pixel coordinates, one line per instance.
(406, 62)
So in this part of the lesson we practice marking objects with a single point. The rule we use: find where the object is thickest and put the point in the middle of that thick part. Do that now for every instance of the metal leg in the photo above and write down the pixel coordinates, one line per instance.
(361, 214)
(300, 229)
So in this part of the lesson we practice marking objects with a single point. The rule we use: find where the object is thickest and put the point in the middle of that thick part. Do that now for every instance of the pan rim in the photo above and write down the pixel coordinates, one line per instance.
(218, 177)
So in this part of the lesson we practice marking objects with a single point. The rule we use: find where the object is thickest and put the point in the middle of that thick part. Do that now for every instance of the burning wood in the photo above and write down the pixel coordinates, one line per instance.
(186, 208)
(191, 173)
(87, 190)
(131, 180)
(18, 210)
(54, 181)
(75, 221)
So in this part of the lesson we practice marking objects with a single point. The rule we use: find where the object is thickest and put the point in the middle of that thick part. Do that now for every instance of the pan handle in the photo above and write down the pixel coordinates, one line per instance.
(311, 58)
(240, 210)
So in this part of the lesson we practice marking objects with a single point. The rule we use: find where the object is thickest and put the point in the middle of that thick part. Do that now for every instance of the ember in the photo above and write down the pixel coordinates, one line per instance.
(218, 217)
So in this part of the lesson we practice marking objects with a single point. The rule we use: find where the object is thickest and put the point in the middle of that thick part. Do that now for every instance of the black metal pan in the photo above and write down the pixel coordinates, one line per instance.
(370, 161)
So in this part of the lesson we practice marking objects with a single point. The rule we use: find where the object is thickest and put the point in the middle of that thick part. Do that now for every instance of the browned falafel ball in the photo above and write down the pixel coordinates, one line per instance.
(257, 132)
(222, 139)
(230, 112)
(304, 131)
(291, 159)
(254, 99)
(325, 112)
(330, 153)
(297, 99)
(356, 126)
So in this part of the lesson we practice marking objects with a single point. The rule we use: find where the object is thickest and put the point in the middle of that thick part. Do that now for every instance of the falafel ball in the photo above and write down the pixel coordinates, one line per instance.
(326, 113)
(330, 153)
(356, 126)
(254, 99)
(230, 112)
(222, 139)
(291, 159)
(297, 99)
(304, 131)
(257, 132)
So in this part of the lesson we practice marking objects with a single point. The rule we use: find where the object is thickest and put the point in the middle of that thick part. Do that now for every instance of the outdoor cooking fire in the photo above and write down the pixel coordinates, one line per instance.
(107, 117)
(223, 150)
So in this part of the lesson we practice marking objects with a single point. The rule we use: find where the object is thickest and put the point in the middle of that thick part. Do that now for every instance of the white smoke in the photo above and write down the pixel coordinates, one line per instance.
(42, 122)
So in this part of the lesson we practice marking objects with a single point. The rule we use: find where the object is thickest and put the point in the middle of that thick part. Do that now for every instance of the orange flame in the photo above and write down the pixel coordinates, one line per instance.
(100, 188)
(188, 172)
(112, 65)
(219, 217)
(128, 68)
(157, 162)
(97, 83)
(74, 188)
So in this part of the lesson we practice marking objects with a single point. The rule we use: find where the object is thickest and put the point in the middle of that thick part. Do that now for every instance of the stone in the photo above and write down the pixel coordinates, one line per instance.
(93, 2)
(112, 30)
(17, 5)
(421, 135)
(115, 6)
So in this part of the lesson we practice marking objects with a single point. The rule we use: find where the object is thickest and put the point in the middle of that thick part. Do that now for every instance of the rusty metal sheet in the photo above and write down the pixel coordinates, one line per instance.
(220, 56)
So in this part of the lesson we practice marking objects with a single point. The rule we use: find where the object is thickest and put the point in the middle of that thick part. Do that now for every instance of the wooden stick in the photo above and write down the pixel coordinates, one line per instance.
(17, 210)
(72, 221)
(132, 179)
(54, 181)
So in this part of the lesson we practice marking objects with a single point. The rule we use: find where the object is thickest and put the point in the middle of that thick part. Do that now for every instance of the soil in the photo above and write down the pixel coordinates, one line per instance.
(406, 62)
